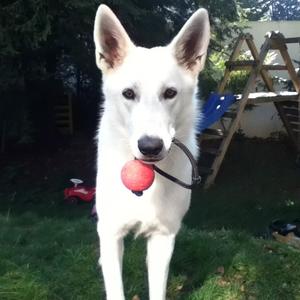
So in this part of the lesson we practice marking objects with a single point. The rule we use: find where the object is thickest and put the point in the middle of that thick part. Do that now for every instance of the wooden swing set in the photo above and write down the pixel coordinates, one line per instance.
(286, 102)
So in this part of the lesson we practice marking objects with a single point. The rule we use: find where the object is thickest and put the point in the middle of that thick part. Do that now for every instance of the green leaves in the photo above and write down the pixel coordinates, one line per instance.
(46, 44)
(23, 26)
(271, 9)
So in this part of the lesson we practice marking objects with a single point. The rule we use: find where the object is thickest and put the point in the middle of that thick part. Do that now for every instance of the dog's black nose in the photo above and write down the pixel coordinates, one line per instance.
(150, 145)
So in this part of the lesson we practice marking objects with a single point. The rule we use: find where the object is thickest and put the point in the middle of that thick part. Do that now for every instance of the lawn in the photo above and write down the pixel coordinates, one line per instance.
(49, 250)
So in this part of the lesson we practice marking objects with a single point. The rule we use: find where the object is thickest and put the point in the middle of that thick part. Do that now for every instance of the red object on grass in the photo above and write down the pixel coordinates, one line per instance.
(137, 176)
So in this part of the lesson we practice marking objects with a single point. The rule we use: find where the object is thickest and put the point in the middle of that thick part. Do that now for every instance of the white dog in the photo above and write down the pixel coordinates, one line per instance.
(150, 98)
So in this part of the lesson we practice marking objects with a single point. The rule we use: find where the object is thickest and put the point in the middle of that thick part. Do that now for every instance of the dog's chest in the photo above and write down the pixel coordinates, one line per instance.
(143, 217)
(161, 207)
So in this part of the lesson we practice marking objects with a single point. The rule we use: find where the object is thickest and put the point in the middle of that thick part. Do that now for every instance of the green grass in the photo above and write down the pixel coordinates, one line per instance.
(50, 251)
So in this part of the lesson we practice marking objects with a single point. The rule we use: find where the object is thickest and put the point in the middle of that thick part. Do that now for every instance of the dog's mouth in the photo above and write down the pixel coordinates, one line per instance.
(151, 160)
(150, 150)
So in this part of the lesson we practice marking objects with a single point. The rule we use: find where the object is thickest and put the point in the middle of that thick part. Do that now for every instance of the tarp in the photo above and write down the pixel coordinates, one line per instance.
(214, 108)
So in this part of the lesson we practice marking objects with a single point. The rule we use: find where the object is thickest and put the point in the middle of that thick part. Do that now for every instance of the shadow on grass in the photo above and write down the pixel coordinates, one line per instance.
(232, 265)
(258, 182)
(48, 258)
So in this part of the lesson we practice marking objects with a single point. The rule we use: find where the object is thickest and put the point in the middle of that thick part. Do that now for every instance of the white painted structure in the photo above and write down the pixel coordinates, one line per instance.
(263, 120)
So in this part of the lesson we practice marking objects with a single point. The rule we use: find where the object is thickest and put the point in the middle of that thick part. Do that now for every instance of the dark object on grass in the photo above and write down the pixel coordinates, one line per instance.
(284, 228)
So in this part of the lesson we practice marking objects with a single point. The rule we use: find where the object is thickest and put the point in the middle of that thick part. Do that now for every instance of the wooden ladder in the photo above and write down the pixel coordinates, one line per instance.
(212, 158)
(63, 115)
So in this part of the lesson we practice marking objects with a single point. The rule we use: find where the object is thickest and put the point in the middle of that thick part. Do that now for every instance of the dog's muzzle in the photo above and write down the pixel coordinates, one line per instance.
(151, 148)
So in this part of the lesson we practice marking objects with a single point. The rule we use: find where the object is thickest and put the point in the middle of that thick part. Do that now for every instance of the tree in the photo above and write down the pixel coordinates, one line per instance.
(274, 10)
(46, 47)
(37, 37)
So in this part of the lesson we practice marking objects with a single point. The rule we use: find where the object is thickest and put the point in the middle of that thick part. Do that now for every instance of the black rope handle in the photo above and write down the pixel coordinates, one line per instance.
(196, 178)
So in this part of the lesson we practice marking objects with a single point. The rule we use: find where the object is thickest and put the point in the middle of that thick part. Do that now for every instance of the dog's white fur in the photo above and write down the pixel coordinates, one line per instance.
(148, 72)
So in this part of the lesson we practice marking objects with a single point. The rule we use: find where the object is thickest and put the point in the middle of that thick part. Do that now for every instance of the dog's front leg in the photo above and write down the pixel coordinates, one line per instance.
(159, 252)
(111, 257)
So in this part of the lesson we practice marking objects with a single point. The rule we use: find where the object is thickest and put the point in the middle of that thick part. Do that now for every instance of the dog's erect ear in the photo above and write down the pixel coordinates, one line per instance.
(190, 44)
(111, 40)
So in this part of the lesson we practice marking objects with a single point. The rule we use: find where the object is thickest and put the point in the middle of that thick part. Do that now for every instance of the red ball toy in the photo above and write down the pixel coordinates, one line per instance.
(137, 176)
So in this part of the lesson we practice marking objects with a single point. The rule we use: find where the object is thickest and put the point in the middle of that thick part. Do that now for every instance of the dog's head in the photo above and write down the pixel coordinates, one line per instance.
(151, 91)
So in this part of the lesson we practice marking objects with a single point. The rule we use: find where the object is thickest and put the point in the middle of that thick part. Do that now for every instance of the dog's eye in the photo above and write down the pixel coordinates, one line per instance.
(129, 94)
(170, 93)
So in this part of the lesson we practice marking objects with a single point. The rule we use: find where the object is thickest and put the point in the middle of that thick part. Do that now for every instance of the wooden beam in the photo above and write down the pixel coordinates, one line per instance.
(277, 40)
(268, 97)
(292, 117)
(213, 132)
(71, 113)
(296, 122)
(241, 64)
(263, 72)
(229, 115)
(274, 67)
(62, 122)
(211, 151)
(61, 107)
(204, 171)
(292, 40)
(235, 53)
(61, 114)
(291, 69)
